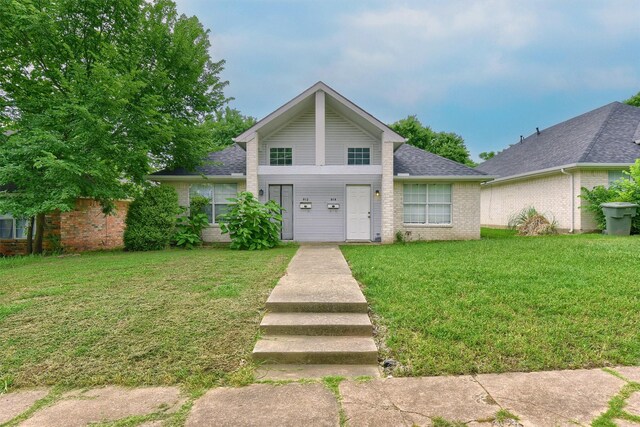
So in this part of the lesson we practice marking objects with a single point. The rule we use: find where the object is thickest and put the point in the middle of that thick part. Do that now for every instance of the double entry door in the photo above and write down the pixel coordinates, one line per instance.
(283, 195)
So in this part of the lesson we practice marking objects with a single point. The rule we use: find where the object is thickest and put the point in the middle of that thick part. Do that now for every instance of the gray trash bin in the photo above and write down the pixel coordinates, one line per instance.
(618, 216)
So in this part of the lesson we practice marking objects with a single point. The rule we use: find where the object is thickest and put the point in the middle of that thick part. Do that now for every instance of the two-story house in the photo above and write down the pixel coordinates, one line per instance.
(340, 175)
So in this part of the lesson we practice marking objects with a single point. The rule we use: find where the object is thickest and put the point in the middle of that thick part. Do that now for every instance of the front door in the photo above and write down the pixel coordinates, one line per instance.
(358, 212)
(283, 195)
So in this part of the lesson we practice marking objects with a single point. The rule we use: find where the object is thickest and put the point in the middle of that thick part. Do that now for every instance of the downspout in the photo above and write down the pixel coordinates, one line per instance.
(573, 201)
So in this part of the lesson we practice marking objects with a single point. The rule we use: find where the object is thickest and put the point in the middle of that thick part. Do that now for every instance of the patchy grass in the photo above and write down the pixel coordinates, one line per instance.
(153, 318)
(505, 303)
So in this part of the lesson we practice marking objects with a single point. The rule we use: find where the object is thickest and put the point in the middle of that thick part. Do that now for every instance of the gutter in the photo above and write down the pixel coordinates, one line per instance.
(573, 200)
(560, 168)
(193, 178)
(472, 178)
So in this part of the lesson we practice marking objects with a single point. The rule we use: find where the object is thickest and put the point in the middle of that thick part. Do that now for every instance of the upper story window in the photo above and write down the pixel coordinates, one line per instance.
(280, 156)
(358, 156)
(616, 175)
(427, 204)
(12, 228)
(217, 194)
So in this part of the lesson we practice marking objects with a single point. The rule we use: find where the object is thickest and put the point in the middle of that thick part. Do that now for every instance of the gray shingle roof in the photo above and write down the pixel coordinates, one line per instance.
(232, 159)
(604, 135)
(417, 162)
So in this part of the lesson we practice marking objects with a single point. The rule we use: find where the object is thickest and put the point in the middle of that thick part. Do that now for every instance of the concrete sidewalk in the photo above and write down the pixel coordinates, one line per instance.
(555, 398)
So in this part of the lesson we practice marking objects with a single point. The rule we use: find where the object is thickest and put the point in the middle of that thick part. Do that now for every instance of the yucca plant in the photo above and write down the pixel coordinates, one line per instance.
(530, 222)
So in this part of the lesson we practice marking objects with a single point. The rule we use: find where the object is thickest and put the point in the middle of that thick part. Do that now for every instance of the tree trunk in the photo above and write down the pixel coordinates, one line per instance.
(30, 236)
(39, 233)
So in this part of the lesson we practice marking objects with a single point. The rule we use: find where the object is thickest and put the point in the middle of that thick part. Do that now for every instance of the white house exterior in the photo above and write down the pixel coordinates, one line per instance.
(340, 175)
(548, 169)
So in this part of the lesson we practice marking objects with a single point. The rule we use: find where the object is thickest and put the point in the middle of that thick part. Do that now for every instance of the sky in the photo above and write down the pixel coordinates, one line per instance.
(489, 70)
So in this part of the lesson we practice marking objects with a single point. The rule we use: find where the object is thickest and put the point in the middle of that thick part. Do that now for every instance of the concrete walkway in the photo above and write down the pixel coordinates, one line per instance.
(556, 398)
(317, 323)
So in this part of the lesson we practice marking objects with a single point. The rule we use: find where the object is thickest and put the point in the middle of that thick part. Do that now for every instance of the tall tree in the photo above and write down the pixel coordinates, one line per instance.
(634, 100)
(100, 93)
(445, 144)
(486, 155)
(229, 124)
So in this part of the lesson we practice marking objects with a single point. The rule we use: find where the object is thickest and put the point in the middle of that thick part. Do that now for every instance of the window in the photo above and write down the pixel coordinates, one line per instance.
(616, 175)
(427, 203)
(358, 156)
(280, 156)
(11, 228)
(217, 194)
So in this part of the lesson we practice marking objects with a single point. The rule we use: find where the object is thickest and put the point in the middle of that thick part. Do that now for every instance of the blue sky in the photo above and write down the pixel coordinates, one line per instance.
(490, 70)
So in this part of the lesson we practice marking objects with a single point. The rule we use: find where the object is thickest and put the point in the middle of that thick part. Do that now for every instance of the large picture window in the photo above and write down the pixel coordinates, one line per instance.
(279, 156)
(358, 156)
(217, 194)
(12, 228)
(617, 175)
(427, 204)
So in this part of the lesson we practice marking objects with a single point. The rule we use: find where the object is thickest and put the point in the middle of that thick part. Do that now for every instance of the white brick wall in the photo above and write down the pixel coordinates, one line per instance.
(252, 166)
(549, 194)
(387, 190)
(211, 233)
(465, 224)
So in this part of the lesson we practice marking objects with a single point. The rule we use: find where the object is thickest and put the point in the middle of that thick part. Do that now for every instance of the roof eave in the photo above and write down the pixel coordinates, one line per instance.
(174, 178)
(476, 178)
(554, 169)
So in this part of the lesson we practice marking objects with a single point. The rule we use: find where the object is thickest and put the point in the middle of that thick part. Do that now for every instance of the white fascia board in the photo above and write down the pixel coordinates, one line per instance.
(555, 169)
(192, 178)
(478, 178)
(320, 170)
(389, 134)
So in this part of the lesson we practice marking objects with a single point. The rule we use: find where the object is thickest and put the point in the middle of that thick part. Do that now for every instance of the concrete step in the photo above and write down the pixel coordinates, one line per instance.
(301, 349)
(317, 324)
(298, 372)
(317, 293)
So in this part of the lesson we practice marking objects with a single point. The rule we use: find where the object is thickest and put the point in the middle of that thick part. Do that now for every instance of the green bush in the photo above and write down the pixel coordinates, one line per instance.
(251, 224)
(624, 190)
(151, 219)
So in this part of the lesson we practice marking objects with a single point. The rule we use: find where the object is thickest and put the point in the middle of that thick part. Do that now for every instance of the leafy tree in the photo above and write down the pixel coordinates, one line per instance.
(100, 94)
(634, 100)
(486, 155)
(229, 124)
(445, 144)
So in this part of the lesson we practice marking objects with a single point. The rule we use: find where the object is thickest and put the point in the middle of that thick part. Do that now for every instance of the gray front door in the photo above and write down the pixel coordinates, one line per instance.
(283, 195)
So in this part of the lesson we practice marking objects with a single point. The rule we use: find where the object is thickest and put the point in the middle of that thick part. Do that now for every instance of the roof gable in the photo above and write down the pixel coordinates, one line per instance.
(305, 100)
(603, 135)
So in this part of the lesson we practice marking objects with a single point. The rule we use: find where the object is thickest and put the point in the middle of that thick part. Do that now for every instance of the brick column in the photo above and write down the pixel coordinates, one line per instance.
(388, 227)
(252, 166)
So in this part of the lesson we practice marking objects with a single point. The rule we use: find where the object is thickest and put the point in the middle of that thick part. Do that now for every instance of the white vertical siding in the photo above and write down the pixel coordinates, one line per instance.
(299, 134)
(341, 134)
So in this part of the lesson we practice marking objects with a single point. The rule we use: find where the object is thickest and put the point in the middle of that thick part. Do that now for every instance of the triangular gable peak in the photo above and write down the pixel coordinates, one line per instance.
(306, 100)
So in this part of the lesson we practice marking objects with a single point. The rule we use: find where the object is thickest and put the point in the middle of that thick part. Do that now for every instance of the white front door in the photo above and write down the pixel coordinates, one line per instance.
(358, 212)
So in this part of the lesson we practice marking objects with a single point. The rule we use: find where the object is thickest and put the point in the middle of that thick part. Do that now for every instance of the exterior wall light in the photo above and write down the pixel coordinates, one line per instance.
(377, 193)
(261, 192)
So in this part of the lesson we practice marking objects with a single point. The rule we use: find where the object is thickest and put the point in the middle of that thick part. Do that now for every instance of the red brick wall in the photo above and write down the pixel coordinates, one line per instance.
(86, 228)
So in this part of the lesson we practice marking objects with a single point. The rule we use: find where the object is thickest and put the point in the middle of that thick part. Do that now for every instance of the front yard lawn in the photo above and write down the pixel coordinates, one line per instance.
(505, 303)
(165, 317)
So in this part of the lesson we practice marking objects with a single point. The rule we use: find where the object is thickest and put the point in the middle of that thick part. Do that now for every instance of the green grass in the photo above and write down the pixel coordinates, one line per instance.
(505, 303)
(153, 318)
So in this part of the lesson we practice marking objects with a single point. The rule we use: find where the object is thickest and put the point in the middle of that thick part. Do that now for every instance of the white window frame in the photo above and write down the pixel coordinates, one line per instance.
(426, 205)
(617, 171)
(279, 148)
(14, 228)
(213, 197)
(358, 148)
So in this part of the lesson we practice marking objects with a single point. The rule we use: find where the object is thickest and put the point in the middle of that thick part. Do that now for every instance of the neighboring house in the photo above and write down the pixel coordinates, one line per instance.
(340, 174)
(82, 229)
(548, 169)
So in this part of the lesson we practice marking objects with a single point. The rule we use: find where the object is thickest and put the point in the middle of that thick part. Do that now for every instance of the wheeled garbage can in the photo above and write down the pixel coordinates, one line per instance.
(618, 216)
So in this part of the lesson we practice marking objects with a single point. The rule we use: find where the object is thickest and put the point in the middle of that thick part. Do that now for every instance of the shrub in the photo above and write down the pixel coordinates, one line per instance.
(189, 233)
(151, 219)
(251, 224)
(529, 222)
(624, 190)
